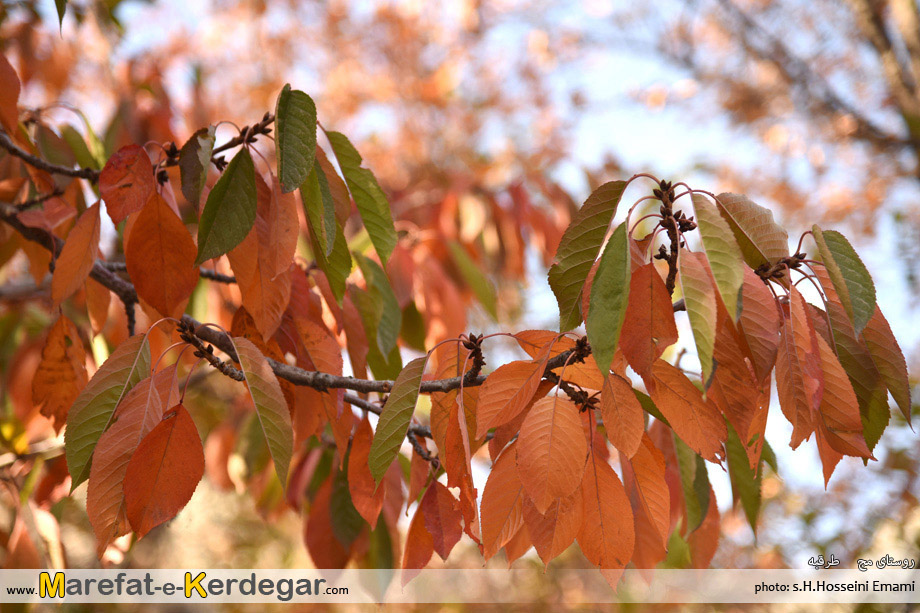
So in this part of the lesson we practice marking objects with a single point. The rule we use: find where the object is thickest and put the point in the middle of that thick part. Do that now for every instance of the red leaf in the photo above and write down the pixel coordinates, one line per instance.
(442, 518)
(136, 416)
(77, 257)
(419, 547)
(160, 256)
(9, 96)
(126, 182)
(324, 548)
(551, 451)
(649, 326)
(163, 472)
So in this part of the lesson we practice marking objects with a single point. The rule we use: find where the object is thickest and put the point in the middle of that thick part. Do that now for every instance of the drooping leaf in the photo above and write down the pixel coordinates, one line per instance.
(387, 306)
(848, 274)
(337, 265)
(61, 7)
(139, 413)
(61, 374)
(475, 278)
(383, 366)
(644, 478)
(320, 210)
(694, 419)
(163, 472)
(502, 503)
(553, 531)
(799, 381)
(607, 534)
(700, 302)
(694, 482)
(395, 417)
(746, 483)
(369, 198)
(160, 256)
(579, 248)
(442, 518)
(507, 391)
(609, 299)
(888, 358)
(722, 252)
(551, 451)
(759, 323)
(77, 257)
(365, 495)
(649, 328)
(126, 182)
(418, 549)
(92, 411)
(270, 405)
(761, 239)
(295, 139)
(230, 210)
(704, 541)
(839, 409)
(346, 522)
(624, 421)
(194, 163)
(325, 549)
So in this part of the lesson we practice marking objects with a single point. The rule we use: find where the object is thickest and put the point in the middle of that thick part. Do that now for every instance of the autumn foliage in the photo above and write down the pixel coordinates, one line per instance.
(271, 268)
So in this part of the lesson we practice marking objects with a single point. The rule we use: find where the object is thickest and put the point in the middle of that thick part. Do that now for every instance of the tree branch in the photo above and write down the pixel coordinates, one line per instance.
(36, 162)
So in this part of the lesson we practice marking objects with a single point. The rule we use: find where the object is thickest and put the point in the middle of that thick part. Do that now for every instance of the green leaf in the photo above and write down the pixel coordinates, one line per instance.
(413, 329)
(319, 208)
(888, 358)
(230, 211)
(295, 138)
(91, 413)
(578, 249)
(475, 278)
(347, 523)
(694, 480)
(78, 146)
(395, 417)
(848, 274)
(271, 407)
(369, 198)
(648, 405)
(383, 366)
(194, 163)
(61, 6)
(696, 285)
(389, 320)
(760, 238)
(337, 265)
(745, 484)
(725, 259)
(609, 297)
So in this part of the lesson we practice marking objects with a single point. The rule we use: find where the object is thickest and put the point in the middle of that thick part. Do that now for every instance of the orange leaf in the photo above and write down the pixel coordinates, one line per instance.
(552, 532)
(77, 257)
(419, 547)
(126, 182)
(551, 451)
(283, 227)
(160, 256)
(759, 323)
(98, 298)
(649, 327)
(695, 420)
(61, 374)
(798, 369)
(163, 472)
(644, 476)
(624, 419)
(136, 416)
(502, 503)
(839, 410)
(518, 545)
(365, 495)
(442, 518)
(419, 470)
(504, 433)
(606, 536)
(507, 391)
